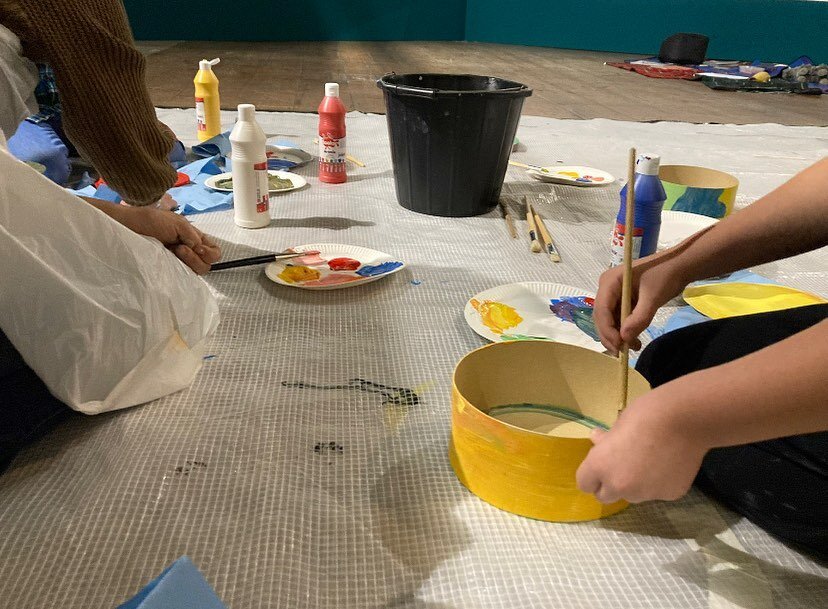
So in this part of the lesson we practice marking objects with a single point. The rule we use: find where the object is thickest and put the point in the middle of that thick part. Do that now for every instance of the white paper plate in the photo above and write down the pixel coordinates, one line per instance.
(676, 226)
(531, 302)
(572, 175)
(297, 181)
(320, 271)
(285, 153)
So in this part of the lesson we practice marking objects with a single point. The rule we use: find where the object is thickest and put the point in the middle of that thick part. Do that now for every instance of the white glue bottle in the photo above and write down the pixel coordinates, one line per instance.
(250, 188)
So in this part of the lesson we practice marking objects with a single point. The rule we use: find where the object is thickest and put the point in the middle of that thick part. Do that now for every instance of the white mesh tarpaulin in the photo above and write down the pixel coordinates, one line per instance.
(306, 466)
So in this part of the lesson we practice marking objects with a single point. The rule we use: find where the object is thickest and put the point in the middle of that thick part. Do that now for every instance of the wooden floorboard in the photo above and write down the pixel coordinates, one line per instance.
(567, 84)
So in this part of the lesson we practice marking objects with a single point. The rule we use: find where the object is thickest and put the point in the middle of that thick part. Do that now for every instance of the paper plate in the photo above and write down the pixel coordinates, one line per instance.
(336, 266)
(719, 300)
(297, 180)
(676, 226)
(291, 157)
(521, 311)
(572, 175)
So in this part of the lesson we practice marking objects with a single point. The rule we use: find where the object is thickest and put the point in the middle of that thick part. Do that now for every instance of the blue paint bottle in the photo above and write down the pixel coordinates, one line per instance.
(649, 199)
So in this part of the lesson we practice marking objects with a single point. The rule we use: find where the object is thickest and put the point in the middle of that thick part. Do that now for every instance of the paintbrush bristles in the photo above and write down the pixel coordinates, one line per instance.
(626, 283)
(535, 245)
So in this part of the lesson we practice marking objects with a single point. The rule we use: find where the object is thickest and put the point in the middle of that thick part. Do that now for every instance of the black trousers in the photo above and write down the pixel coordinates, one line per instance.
(781, 485)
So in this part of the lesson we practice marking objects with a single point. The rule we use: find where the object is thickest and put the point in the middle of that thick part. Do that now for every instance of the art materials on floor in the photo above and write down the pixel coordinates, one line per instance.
(332, 148)
(534, 244)
(280, 156)
(719, 300)
(331, 266)
(207, 103)
(454, 162)
(263, 259)
(277, 181)
(626, 283)
(251, 199)
(568, 175)
(649, 199)
(510, 221)
(533, 310)
(698, 190)
(522, 414)
(547, 238)
(676, 226)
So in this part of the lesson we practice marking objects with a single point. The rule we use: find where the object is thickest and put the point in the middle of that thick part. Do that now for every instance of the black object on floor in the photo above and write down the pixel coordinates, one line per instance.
(687, 49)
(451, 137)
(782, 484)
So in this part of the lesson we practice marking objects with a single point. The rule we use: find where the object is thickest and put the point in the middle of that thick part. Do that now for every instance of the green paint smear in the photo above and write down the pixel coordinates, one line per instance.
(555, 411)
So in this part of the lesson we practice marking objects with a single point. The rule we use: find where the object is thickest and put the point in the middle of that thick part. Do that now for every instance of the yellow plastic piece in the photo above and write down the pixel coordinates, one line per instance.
(719, 300)
(512, 467)
(761, 76)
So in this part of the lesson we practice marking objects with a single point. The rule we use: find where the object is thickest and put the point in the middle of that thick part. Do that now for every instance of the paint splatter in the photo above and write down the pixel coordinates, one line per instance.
(191, 466)
(311, 260)
(378, 269)
(397, 396)
(328, 447)
(576, 310)
(496, 316)
(332, 279)
(416, 282)
(344, 264)
(298, 274)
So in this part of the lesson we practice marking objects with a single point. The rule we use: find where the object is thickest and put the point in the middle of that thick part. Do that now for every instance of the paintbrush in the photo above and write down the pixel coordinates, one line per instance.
(528, 166)
(510, 222)
(626, 284)
(263, 259)
(554, 256)
(533, 230)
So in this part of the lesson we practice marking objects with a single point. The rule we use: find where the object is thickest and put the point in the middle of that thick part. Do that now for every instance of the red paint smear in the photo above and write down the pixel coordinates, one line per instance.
(344, 264)
(310, 259)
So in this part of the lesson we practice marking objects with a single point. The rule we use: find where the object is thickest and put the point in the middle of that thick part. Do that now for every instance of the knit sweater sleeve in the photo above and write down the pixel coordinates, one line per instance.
(107, 112)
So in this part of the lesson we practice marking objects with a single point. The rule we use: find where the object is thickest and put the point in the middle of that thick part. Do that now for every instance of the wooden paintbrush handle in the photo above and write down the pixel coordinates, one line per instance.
(626, 284)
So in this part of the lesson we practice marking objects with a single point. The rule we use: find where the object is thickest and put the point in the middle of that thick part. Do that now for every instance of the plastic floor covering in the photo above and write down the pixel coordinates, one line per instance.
(288, 492)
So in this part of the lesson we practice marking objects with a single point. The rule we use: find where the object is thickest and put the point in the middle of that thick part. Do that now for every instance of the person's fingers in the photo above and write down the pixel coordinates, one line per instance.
(605, 316)
(587, 477)
(606, 494)
(640, 317)
(597, 435)
(167, 203)
(188, 234)
(209, 254)
(190, 258)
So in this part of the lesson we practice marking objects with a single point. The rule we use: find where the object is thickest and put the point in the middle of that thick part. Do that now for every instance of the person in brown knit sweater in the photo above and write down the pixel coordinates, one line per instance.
(107, 111)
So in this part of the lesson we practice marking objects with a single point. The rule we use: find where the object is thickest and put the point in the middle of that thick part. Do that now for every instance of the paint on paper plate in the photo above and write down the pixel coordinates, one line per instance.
(299, 274)
(344, 264)
(496, 316)
(577, 310)
(378, 269)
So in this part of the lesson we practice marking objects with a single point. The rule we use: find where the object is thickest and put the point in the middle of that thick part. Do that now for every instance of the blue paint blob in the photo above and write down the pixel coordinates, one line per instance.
(378, 269)
(415, 282)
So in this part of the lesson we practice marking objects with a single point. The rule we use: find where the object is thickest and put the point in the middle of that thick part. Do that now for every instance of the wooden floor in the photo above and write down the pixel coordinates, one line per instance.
(567, 84)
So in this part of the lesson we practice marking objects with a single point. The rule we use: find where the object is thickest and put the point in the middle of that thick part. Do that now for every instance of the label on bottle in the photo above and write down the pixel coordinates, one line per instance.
(201, 117)
(617, 246)
(262, 195)
(332, 149)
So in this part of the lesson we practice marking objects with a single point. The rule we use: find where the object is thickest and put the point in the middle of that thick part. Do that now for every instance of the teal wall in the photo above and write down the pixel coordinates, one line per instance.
(771, 30)
(778, 30)
(297, 20)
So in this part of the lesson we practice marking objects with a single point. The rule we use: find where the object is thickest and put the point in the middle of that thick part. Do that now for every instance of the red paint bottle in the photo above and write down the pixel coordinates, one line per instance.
(332, 149)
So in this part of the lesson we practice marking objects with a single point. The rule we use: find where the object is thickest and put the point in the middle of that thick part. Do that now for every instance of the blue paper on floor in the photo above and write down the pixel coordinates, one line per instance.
(688, 316)
(180, 586)
(195, 197)
(219, 145)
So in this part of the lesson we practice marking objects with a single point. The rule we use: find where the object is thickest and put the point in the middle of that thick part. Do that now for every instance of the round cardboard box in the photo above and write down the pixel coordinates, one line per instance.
(698, 190)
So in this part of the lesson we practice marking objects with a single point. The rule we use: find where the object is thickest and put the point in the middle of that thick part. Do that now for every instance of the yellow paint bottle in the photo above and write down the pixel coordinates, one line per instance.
(208, 117)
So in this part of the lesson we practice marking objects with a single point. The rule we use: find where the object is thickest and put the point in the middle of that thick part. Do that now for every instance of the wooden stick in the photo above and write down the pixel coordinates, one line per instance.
(510, 221)
(626, 285)
(534, 245)
(547, 239)
(355, 161)
(519, 164)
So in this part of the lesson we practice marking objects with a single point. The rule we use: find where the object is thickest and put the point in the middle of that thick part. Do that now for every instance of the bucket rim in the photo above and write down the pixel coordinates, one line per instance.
(521, 89)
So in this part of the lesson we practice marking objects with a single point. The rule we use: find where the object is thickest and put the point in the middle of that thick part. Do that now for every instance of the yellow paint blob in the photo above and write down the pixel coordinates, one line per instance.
(298, 274)
(569, 174)
(496, 316)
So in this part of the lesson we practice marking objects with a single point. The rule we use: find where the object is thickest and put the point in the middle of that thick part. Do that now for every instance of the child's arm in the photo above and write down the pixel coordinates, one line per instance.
(655, 449)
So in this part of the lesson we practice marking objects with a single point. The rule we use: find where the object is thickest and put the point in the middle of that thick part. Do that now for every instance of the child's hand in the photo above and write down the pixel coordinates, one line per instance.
(644, 456)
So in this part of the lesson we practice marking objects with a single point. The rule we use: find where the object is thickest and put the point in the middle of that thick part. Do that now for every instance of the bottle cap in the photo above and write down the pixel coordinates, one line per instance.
(331, 89)
(647, 164)
(247, 112)
(205, 64)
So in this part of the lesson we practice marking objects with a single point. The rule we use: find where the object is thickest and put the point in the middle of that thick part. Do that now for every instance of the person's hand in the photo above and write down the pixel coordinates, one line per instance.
(655, 281)
(646, 455)
(190, 245)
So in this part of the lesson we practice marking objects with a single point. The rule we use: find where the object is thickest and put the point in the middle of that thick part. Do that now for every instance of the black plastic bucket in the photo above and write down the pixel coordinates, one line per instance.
(451, 136)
